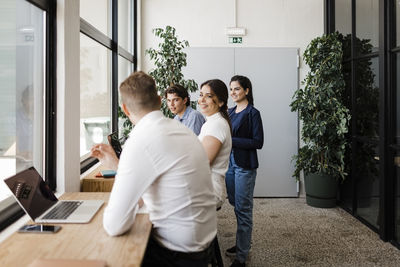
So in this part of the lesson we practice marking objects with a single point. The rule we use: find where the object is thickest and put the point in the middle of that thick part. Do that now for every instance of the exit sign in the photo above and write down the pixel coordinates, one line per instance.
(235, 40)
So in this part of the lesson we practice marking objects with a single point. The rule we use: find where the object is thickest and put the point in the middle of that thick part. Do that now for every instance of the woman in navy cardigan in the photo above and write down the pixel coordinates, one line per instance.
(247, 136)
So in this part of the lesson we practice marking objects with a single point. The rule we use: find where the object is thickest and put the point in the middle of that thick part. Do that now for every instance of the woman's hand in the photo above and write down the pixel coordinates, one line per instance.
(106, 155)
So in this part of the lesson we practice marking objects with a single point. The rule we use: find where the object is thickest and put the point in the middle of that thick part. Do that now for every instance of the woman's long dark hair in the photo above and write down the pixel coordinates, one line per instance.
(245, 83)
(221, 91)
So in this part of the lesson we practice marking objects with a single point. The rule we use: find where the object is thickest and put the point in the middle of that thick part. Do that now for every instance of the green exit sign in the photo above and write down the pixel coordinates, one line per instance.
(235, 40)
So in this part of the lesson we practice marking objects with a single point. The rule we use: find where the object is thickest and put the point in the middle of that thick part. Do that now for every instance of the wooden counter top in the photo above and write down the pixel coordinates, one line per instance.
(79, 241)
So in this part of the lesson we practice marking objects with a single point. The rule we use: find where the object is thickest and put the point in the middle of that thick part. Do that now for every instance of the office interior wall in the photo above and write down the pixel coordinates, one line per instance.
(269, 23)
(273, 74)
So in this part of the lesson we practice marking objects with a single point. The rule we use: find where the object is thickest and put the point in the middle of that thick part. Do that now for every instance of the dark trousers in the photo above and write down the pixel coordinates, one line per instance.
(157, 255)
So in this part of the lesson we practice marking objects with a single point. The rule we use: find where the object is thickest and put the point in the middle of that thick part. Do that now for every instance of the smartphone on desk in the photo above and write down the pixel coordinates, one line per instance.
(39, 228)
(115, 143)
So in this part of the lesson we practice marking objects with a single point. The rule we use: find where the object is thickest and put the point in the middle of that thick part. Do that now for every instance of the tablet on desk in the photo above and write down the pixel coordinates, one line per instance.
(108, 173)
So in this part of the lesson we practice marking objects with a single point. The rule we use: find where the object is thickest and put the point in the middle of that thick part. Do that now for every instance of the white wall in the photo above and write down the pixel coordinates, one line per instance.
(269, 23)
(68, 94)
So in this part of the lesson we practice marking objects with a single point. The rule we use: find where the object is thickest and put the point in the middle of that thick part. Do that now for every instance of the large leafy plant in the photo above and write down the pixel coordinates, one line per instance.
(324, 116)
(169, 59)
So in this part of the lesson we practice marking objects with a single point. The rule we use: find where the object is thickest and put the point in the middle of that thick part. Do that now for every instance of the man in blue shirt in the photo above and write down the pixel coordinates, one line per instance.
(178, 101)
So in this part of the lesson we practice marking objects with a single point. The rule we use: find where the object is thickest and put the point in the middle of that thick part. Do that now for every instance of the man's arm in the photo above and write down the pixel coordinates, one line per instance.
(135, 174)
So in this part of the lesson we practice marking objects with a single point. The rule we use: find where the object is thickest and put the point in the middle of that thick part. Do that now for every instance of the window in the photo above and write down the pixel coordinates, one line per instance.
(367, 23)
(107, 57)
(343, 18)
(125, 25)
(25, 88)
(371, 68)
(367, 97)
(95, 96)
(100, 17)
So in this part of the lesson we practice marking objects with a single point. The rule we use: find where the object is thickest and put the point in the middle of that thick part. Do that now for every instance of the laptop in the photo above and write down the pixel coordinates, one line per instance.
(38, 201)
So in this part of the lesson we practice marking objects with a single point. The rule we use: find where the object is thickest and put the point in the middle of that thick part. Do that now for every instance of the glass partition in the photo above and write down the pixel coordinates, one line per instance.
(367, 24)
(367, 97)
(367, 173)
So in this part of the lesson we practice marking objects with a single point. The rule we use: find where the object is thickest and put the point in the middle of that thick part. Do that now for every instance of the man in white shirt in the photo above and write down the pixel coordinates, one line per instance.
(173, 181)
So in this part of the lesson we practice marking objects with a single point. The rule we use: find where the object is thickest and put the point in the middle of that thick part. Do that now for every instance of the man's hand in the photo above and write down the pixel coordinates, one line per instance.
(140, 202)
(106, 155)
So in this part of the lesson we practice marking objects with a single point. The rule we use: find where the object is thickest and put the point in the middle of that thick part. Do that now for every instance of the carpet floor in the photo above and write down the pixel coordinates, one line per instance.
(288, 232)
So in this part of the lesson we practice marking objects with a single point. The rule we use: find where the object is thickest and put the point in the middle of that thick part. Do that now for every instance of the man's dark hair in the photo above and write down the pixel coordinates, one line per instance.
(180, 91)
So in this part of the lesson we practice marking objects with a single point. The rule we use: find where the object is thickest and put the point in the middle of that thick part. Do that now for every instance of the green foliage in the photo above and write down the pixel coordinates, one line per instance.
(321, 109)
(126, 125)
(169, 59)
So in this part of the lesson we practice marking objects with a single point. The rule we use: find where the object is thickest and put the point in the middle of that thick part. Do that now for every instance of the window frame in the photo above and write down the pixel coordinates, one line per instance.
(387, 50)
(10, 211)
(116, 50)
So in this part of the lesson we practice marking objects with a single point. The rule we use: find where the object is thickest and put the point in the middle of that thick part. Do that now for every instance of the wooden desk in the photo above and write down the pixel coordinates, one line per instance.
(91, 183)
(79, 241)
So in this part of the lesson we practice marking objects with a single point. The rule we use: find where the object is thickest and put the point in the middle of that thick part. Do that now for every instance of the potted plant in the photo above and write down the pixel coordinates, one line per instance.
(168, 61)
(325, 121)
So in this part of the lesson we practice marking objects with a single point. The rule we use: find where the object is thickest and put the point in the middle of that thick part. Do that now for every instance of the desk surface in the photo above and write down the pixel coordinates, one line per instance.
(79, 241)
(91, 183)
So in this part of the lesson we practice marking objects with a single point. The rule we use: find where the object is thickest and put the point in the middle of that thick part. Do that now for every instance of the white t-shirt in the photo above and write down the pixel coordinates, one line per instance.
(216, 126)
(164, 162)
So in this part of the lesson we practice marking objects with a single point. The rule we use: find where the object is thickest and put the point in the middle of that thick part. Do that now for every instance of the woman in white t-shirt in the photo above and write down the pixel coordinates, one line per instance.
(215, 134)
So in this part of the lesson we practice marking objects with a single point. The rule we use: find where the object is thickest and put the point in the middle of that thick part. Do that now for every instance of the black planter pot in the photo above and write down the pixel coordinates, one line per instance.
(321, 190)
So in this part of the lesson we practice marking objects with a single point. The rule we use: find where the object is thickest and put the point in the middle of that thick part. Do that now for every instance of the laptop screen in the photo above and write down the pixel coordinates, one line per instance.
(32, 193)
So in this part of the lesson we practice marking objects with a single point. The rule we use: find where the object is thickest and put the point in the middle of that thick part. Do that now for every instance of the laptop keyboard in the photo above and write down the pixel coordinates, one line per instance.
(63, 210)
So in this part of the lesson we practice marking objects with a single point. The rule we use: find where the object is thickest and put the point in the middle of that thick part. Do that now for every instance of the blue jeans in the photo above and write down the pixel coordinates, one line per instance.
(240, 188)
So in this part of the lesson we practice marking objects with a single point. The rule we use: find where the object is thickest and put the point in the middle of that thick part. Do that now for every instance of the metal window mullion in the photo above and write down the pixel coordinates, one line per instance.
(93, 33)
(125, 54)
(135, 28)
(51, 98)
(329, 16)
(385, 204)
(354, 144)
(114, 66)
(42, 4)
